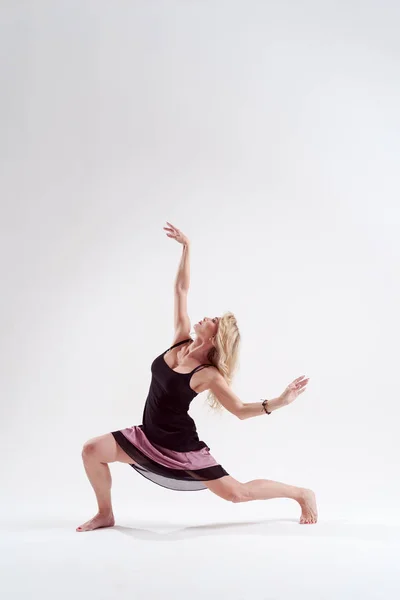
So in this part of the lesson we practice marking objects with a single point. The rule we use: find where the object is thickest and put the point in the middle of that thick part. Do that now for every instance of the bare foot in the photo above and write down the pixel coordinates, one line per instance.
(309, 512)
(100, 520)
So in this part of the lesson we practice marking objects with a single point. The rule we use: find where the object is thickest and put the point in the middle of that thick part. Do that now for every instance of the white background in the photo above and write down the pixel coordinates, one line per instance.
(269, 134)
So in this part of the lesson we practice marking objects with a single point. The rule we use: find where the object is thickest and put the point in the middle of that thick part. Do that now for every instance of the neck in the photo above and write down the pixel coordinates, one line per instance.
(199, 349)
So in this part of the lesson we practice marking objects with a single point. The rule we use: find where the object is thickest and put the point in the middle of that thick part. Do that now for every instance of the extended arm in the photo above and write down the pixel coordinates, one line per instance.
(182, 324)
(254, 409)
(232, 403)
(182, 280)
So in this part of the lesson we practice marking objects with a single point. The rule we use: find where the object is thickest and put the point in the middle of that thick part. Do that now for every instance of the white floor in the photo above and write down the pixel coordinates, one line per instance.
(172, 558)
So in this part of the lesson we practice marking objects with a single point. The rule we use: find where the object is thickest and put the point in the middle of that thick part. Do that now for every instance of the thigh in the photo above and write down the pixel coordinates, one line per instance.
(227, 487)
(105, 449)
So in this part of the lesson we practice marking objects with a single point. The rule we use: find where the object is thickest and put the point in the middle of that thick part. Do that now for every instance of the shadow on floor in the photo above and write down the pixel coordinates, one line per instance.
(152, 530)
(271, 527)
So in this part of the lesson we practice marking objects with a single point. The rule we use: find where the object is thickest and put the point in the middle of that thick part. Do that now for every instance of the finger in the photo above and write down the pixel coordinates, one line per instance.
(298, 386)
(302, 383)
(170, 224)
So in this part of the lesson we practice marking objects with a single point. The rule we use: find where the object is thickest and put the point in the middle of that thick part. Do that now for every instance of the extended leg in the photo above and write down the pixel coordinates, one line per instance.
(264, 489)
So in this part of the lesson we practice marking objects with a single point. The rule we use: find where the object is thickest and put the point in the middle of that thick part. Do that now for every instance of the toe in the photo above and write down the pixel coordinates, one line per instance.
(83, 527)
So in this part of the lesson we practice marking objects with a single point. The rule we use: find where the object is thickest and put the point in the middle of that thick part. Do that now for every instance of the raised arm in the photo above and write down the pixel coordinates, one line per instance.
(182, 279)
(182, 323)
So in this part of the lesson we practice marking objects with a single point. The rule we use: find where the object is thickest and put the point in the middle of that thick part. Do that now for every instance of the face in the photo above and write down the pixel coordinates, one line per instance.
(207, 327)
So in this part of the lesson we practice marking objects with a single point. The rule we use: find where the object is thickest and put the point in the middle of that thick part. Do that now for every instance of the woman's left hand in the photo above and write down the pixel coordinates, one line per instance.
(294, 389)
(176, 234)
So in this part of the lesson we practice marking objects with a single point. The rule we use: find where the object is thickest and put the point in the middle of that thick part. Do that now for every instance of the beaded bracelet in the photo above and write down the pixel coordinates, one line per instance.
(264, 404)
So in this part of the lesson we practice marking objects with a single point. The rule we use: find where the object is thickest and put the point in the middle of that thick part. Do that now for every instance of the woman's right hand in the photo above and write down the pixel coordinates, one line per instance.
(294, 389)
(176, 234)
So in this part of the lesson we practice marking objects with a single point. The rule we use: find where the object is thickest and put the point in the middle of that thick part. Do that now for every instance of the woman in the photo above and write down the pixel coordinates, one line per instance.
(165, 448)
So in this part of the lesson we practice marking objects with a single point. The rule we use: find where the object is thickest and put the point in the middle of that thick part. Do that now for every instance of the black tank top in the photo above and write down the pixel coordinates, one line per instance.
(166, 421)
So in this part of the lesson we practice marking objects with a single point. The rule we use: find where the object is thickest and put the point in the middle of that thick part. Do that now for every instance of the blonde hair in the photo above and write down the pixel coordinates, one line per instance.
(225, 353)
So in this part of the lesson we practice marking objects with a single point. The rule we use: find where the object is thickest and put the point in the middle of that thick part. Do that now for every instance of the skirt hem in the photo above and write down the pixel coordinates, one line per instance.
(175, 479)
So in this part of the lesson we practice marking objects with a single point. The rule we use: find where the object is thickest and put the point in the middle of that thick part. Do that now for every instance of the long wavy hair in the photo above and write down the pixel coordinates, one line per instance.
(225, 353)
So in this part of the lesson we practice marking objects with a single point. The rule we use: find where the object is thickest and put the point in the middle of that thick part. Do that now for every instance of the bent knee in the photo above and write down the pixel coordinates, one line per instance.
(90, 448)
(240, 494)
(102, 448)
(230, 489)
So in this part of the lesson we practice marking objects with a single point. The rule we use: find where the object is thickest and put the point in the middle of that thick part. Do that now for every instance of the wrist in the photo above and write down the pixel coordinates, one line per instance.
(274, 403)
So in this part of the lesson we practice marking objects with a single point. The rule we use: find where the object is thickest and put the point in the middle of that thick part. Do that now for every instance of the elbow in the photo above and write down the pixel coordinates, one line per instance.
(240, 414)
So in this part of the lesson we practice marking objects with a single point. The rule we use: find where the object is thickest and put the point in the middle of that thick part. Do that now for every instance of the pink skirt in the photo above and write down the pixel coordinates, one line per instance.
(174, 470)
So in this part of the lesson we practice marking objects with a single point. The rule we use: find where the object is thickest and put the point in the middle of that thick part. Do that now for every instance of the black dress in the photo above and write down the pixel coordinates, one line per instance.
(166, 447)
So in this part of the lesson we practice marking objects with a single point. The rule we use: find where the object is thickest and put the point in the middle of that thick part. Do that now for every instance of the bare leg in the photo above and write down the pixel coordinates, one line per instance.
(96, 453)
(264, 489)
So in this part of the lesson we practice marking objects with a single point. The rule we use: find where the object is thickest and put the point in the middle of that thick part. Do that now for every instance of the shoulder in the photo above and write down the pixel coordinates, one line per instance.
(204, 378)
(215, 379)
(213, 373)
(223, 392)
(208, 376)
(181, 337)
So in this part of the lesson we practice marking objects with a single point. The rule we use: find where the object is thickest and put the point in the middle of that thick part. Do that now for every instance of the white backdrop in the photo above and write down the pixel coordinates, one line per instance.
(269, 134)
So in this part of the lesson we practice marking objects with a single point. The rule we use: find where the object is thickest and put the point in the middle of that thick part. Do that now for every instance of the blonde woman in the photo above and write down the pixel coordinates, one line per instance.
(165, 448)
